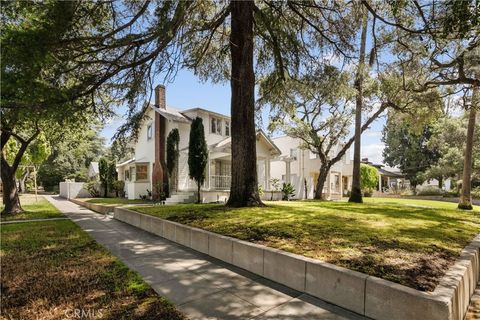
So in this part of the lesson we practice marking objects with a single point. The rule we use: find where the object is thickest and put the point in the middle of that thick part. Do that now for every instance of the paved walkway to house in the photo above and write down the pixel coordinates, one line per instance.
(474, 308)
(201, 287)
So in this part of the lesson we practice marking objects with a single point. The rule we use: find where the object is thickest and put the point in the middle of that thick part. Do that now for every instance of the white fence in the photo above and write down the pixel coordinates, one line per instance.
(71, 190)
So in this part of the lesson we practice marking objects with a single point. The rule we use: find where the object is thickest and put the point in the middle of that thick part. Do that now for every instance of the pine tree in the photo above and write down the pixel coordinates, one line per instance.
(197, 154)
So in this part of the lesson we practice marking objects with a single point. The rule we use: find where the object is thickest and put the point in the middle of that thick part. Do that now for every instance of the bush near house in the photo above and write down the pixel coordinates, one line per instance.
(429, 191)
(368, 179)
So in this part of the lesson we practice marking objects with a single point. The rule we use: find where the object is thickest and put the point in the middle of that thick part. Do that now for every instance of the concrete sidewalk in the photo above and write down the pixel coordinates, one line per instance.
(201, 287)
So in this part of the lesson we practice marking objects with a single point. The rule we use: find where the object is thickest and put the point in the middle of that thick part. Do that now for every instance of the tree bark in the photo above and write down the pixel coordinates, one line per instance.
(21, 186)
(11, 200)
(198, 192)
(356, 194)
(244, 185)
(465, 197)
(322, 177)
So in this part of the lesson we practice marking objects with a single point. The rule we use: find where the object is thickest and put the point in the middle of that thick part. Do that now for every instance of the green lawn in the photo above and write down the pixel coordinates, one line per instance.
(417, 202)
(51, 268)
(405, 244)
(117, 201)
(34, 209)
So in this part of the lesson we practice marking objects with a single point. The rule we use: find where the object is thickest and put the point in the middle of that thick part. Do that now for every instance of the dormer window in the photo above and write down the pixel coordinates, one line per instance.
(216, 126)
(227, 128)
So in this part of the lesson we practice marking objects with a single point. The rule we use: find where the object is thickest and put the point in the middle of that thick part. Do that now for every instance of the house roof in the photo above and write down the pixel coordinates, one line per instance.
(205, 110)
(226, 143)
(384, 172)
(171, 114)
(125, 162)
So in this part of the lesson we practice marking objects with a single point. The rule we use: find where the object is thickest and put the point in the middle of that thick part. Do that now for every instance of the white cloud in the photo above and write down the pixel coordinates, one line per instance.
(373, 152)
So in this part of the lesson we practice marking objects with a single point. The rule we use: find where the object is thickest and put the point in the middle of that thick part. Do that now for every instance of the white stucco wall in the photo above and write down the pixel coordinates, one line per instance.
(306, 166)
(72, 190)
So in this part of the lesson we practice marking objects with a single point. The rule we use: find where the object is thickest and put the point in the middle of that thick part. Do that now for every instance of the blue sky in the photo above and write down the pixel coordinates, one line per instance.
(187, 91)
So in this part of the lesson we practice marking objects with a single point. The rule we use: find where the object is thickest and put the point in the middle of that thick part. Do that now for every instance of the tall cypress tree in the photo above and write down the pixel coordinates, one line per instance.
(197, 154)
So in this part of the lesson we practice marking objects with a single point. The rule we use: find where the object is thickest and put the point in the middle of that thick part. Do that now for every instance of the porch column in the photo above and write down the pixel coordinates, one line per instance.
(267, 174)
(340, 184)
(208, 185)
(388, 182)
(287, 171)
(380, 182)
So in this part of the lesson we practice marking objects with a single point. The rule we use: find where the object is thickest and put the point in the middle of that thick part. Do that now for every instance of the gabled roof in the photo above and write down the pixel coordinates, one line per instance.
(171, 114)
(226, 143)
(205, 110)
(261, 133)
(384, 172)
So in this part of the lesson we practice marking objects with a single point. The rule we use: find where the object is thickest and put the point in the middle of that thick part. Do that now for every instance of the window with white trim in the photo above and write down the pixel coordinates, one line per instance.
(141, 172)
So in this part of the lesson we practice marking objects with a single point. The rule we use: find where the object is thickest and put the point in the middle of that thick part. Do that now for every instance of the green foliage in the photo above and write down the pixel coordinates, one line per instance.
(118, 186)
(72, 152)
(275, 182)
(91, 187)
(173, 140)
(107, 173)
(197, 153)
(288, 191)
(407, 148)
(261, 190)
(448, 137)
(476, 193)
(368, 178)
(429, 191)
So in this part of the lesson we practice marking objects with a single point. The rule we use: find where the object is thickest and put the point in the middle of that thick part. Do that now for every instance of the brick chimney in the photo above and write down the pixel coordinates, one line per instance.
(159, 174)
(160, 97)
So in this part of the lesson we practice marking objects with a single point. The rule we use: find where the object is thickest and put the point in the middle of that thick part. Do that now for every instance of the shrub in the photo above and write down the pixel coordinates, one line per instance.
(368, 179)
(261, 191)
(429, 191)
(275, 186)
(91, 187)
(476, 193)
(288, 191)
(118, 186)
(367, 193)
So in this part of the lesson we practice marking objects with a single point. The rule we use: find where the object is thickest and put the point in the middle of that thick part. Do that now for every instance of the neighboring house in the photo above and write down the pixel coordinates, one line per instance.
(446, 185)
(296, 165)
(147, 170)
(93, 172)
(389, 178)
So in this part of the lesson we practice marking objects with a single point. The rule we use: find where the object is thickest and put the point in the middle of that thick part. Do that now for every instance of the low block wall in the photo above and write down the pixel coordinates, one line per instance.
(366, 295)
(93, 206)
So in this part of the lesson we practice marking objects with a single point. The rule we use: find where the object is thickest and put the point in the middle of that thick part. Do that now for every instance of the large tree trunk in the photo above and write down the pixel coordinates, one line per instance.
(22, 180)
(465, 196)
(244, 185)
(356, 194)
(322, 177)
(11, 200)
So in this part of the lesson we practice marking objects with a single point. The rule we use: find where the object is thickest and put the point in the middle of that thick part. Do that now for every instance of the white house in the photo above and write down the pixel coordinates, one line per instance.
(147, 170)
(297, 165)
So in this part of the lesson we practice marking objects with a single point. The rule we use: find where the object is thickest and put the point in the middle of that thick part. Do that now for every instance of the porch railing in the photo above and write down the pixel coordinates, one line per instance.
(220, 182)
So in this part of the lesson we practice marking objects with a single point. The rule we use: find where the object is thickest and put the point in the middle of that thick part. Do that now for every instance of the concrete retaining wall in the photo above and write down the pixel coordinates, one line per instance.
(366, 295)
(93, 206)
